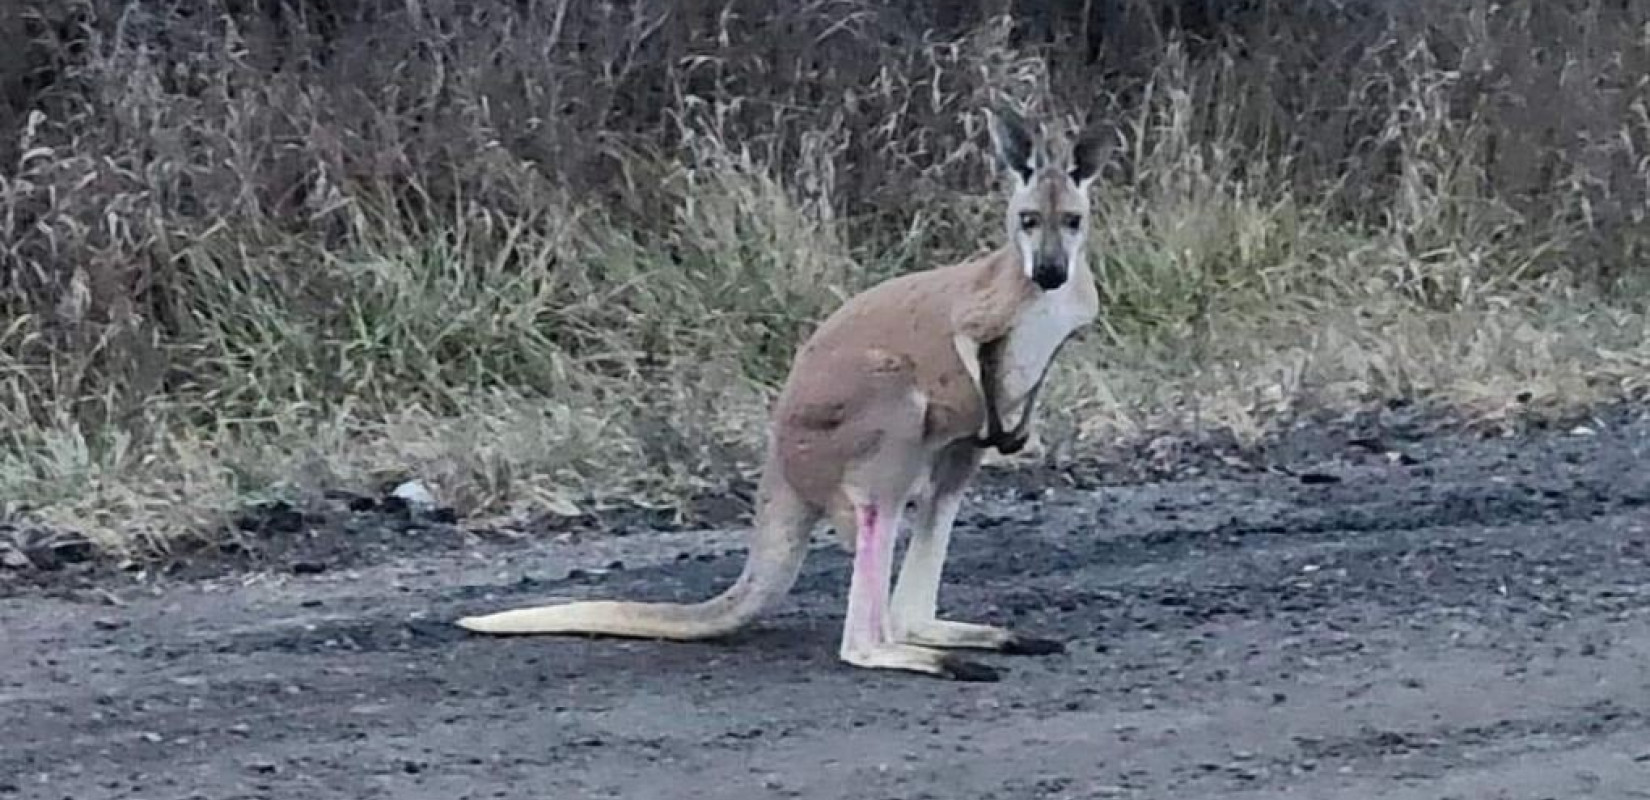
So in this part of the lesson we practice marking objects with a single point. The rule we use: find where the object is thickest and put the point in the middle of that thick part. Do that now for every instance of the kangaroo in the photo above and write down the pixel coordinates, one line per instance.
(891, 402)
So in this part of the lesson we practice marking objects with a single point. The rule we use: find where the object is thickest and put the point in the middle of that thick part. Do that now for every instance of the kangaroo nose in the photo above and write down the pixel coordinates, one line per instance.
(1048, 275)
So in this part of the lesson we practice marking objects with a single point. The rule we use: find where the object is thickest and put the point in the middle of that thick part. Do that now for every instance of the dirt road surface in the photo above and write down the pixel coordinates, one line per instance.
(1469, 619)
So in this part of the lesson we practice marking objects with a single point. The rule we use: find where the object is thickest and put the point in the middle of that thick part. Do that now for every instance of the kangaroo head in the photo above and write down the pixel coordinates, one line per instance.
(1048, 207)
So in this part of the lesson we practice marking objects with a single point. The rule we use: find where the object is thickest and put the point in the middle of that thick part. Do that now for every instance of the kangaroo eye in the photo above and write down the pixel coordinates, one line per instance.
(1072, 221)
(1029, 221)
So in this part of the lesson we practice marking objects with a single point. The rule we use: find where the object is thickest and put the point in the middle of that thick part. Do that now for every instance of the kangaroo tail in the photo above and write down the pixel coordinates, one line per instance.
(778, 544)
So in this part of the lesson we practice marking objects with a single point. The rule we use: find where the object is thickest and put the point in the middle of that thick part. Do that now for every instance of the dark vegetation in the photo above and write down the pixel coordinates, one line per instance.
(530, 248)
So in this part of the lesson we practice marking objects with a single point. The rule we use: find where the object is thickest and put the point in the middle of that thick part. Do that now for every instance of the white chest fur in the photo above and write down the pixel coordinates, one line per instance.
(1038, 332)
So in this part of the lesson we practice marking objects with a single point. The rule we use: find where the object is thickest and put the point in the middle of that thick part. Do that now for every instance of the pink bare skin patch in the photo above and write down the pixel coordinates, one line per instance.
(868, 563)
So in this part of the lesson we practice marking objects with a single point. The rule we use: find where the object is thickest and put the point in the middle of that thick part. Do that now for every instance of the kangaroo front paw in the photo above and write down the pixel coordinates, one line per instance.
(1010, 443)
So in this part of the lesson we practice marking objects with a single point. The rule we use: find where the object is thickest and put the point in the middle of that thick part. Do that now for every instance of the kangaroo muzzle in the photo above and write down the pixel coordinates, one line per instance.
(1049, 273)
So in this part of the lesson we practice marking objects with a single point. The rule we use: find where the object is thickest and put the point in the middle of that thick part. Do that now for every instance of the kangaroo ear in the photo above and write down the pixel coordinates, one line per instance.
(1012, 141)
(1087, 156)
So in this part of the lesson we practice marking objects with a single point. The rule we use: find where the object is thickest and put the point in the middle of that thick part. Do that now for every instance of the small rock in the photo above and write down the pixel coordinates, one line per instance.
(10, 558)
(262, 766)
(1318, 478)
(73, 549)
(416, 495)
(308, 567)
(151, 737)
(106, 624)
(278, 516)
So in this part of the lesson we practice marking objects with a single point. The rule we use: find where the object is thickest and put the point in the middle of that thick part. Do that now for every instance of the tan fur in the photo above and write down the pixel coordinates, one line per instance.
(883, 405)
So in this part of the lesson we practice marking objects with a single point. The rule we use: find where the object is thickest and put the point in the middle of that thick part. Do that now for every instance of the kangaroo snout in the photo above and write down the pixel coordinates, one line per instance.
(1048, 275)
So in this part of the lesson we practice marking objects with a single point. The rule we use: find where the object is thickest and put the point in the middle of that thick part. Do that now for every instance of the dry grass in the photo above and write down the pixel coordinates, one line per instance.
(236, 270)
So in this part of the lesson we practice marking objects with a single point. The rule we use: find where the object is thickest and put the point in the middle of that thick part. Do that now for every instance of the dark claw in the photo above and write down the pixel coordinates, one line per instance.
(1012, 443)
(1006, 442)
(1033, 646)
(959, 669)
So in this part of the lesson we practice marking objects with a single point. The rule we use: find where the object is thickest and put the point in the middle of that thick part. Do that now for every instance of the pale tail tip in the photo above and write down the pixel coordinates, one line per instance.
(475, 624)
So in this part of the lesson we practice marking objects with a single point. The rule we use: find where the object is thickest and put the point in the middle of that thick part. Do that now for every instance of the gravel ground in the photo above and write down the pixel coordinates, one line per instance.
(1469, 619)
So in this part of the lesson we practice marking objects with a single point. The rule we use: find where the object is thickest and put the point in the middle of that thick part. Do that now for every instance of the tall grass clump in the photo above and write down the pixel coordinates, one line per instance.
(557, 254)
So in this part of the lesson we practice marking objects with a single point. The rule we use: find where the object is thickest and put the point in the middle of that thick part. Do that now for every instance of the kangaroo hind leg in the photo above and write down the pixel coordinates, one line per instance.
(866, 634)
(872, 498)
(915, 603)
